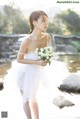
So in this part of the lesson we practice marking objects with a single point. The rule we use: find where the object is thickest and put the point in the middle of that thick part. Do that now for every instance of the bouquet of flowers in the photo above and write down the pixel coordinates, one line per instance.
(46, 53)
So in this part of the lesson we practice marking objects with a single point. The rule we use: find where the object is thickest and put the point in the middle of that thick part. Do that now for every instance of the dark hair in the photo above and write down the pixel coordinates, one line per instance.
(35, 15)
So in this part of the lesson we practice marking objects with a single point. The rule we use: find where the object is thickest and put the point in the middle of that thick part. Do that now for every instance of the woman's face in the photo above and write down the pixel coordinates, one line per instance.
(42, 23)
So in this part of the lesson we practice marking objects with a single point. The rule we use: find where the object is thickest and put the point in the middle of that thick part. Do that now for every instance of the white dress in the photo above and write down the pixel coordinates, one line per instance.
(29, 77)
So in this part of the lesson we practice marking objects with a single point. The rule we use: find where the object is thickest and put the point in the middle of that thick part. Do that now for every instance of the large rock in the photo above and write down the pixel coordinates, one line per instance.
(62, 102)
(71, 84)
(1, 86)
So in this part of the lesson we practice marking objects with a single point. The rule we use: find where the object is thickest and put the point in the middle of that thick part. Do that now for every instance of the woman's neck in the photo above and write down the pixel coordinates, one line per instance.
(36, 34)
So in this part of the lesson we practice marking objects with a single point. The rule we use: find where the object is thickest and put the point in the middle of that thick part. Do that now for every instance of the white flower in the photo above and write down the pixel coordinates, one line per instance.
(45, 53)
(41, 49)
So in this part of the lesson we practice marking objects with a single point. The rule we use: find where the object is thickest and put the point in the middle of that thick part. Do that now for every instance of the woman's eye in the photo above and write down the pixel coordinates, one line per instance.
(44, 20)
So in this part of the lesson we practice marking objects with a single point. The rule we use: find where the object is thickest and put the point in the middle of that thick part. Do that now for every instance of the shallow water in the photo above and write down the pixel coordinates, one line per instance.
(11, 99)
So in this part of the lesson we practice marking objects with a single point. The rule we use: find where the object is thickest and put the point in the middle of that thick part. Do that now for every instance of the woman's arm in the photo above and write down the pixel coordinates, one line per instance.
(23, 50)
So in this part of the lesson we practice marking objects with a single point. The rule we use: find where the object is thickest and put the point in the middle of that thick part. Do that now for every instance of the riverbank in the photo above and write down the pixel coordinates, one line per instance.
(11, 99)
(3, 69)
(3, 72)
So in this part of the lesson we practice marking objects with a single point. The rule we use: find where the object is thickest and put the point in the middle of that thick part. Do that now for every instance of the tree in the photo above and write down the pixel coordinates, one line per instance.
(18, 20)
(5, 24)
(71, 19)
(54, 28)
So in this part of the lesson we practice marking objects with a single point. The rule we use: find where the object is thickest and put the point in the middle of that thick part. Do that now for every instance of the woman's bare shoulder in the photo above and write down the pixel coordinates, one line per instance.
(48, 38)
(26, 39)
(47, 35)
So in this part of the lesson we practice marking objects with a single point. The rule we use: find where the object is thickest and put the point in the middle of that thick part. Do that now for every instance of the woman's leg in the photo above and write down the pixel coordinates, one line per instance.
(34, 109)
(21, 92)
(27, 110)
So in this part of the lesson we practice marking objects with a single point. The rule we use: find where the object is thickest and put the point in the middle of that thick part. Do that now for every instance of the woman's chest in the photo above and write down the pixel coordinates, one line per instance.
(39, 43)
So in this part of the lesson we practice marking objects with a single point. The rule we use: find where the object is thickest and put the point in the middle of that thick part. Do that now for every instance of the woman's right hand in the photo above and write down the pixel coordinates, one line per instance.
(42, 63)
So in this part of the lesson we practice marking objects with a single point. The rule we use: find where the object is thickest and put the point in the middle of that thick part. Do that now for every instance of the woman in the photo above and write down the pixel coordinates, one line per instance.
(32, 71)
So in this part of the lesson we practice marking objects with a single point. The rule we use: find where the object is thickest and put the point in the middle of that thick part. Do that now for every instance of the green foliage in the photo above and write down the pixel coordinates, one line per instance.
(76, 44)
(54, 28)
(21, 27)
(5, 24)
(71, 19)
(13, 20)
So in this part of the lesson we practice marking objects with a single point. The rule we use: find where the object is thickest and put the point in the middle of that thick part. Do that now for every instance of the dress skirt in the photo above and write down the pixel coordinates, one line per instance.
(29, 77)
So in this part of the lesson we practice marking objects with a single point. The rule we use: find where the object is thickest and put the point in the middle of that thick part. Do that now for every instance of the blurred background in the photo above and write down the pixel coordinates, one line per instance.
(64, 28)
